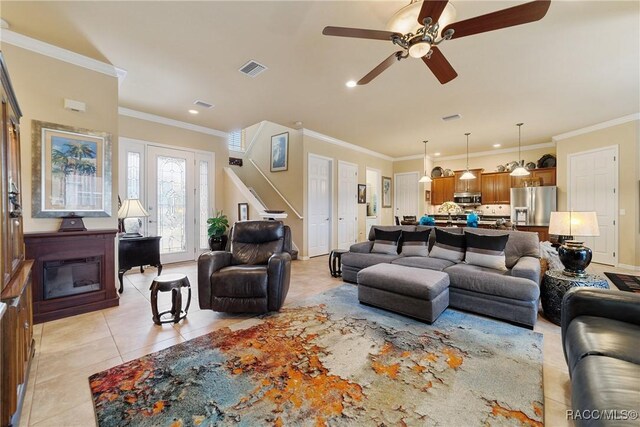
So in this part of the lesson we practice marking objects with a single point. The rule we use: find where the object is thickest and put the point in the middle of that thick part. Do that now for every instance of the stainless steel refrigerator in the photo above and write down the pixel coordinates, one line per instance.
(533, 205)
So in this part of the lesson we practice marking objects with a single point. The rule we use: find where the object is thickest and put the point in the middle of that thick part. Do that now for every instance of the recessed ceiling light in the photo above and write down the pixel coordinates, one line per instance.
(497, 145)
(436, 154)
(193, 111)
(351, 83)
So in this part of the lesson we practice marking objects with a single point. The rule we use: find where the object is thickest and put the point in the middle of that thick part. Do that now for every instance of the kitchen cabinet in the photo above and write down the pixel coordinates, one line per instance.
(15, 272)
(468, 185)
(495, 188)
(442, 190)
(547, 176)
(543, 232)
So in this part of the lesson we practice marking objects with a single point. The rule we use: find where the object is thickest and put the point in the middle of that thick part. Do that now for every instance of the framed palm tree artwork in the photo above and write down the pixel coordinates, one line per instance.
(71, 171)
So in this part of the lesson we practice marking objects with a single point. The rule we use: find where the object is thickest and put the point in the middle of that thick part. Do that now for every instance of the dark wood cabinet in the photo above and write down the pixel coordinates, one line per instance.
(74, 272)
(496, 188)
(468, 185)
(138, 252)
(442, 190)
(15, 272)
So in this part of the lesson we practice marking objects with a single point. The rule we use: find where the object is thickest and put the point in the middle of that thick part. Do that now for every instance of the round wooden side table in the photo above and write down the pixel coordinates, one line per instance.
(555, 284)
(170, 283)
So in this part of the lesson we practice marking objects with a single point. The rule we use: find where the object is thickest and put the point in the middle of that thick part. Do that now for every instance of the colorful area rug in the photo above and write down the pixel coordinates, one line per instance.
(625, 282)
(333, 361)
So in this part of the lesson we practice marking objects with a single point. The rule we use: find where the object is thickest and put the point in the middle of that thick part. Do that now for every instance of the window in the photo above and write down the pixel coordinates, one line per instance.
(204, 204)
(133, 175)
(235, 140)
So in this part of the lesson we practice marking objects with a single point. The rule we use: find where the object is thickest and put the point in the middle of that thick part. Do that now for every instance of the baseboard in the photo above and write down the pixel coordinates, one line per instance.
(629, 267)
(304, 258)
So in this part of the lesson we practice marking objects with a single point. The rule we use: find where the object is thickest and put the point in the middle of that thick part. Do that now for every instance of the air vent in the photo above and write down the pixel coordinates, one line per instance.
(252, 68)
(452, 117)
(202, 104)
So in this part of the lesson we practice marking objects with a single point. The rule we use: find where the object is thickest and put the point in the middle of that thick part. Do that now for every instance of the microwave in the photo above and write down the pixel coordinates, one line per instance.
(467, 199)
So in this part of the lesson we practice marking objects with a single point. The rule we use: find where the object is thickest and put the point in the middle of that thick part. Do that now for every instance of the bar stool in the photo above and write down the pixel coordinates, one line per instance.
(173, 283)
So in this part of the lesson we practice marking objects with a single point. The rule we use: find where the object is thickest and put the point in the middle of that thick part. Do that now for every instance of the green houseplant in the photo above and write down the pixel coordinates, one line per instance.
(218, 225)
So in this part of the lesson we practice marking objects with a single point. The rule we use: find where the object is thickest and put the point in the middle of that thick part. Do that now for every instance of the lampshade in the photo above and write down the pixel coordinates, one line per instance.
(132, 208)
(520, 171)
(425, 179)
(467, 175)
(406, 19)
(574, 224)
(420, 49)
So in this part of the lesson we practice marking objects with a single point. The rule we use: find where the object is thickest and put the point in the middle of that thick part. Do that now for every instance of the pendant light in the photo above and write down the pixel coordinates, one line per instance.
(467, 174)
(425, 178)
(520, 170)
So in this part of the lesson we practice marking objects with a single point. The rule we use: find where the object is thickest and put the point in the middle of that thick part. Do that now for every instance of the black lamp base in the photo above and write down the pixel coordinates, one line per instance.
(575, 257)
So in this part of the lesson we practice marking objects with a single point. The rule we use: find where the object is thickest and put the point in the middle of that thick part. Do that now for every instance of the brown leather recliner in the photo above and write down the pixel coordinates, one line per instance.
(253, 277)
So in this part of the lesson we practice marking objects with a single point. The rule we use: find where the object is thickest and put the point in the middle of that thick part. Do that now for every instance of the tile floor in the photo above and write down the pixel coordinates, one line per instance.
(69, 350)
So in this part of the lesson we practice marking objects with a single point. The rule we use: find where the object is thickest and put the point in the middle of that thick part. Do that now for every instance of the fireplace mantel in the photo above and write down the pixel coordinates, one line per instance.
(70, 249)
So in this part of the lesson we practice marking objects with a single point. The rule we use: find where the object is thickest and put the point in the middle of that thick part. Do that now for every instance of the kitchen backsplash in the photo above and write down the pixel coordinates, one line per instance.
(488, 210)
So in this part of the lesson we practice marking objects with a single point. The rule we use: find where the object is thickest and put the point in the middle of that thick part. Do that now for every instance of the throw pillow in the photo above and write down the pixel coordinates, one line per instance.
(487, 251)
(448, 246)
(415, 243)
(386, 242)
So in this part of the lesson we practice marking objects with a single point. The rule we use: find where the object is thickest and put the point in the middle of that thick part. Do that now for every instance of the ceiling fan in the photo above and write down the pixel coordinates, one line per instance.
(435, 25)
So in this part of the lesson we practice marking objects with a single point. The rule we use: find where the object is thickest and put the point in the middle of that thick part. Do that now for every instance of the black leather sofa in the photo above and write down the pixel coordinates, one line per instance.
(254, 276)
(601, 342)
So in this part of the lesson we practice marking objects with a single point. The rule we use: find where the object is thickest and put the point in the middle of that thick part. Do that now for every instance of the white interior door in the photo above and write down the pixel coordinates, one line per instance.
(319, 224)
(347, 204)
(407, 194)
(171, 202)
(593, 182)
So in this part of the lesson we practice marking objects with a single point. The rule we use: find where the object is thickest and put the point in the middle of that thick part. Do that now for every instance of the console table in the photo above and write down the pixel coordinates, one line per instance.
(138, 252)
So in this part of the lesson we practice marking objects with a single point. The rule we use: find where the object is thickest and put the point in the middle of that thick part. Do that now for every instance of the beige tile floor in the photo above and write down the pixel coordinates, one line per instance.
(69, 350)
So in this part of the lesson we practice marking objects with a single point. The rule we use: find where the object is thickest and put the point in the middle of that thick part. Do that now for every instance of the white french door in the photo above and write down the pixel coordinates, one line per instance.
(593, 182)
(319, 224)
(347, 204)
(176, 187)
(407, 194)
(171, 209)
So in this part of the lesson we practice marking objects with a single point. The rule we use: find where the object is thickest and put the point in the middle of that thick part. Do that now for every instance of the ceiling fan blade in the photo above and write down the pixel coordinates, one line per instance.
(393, 58)
(433, 9)
(517, 15)
(359, 33)
(439, 66)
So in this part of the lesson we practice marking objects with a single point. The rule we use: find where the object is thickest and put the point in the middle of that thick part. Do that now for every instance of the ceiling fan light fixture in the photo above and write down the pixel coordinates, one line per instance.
(419, 49)
(406, 19)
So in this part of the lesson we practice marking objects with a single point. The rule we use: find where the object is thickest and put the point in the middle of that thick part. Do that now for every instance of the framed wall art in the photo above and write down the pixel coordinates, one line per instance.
(243, 211)
(280, 152)
(71, 171)
(362, 193)
(386, 192)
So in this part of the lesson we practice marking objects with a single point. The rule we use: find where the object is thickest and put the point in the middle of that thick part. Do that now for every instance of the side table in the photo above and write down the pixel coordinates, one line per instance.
(555, 284)
(335, 262)
(138, 252)
(170, 283)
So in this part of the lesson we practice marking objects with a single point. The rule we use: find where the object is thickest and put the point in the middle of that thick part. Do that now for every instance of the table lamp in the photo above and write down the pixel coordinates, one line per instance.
(130, 212)
(573, 254)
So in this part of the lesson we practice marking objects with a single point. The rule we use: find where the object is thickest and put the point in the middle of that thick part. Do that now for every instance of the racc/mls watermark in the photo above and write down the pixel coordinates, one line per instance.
(602, 414)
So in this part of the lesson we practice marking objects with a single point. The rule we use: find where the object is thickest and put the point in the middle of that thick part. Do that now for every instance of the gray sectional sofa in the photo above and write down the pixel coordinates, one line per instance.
(511, 295)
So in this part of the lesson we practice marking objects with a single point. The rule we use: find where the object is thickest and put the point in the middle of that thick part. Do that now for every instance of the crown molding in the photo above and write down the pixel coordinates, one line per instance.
(46, 49)
(596, 127)
(170, 122)
(500, 151)
(344, 144)
(413, 157)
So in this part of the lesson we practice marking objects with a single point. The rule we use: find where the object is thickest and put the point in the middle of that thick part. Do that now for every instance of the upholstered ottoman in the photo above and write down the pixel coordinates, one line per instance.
(415, 292)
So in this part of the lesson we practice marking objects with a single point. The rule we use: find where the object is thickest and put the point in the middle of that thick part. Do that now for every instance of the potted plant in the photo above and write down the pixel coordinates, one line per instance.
(218, 225)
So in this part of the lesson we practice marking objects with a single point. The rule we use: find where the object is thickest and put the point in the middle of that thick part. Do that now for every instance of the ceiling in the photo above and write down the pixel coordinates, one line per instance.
(578, 66)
